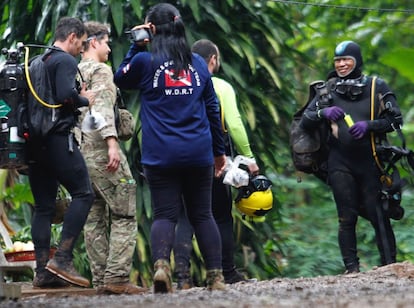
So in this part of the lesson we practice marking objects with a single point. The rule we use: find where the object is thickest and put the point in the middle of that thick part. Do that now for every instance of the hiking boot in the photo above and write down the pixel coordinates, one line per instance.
(66, 271)
(234, 276)
(215, 280)
(352, 269)
(162, 277)
(184, 283)
(184, 280)
(46, 279)
(122, 288)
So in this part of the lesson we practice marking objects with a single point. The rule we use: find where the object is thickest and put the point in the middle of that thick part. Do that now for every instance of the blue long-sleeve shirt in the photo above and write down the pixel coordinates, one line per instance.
(180, 118)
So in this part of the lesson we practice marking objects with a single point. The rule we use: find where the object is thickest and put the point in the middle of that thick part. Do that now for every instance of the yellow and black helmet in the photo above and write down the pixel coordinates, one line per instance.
(255, 199)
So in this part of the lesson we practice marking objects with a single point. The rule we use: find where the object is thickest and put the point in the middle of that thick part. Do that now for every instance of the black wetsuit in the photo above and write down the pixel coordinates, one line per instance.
(55, 160)
(353, 173)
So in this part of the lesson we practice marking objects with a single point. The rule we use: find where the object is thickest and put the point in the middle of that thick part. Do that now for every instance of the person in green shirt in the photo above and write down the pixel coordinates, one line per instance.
(236, 139)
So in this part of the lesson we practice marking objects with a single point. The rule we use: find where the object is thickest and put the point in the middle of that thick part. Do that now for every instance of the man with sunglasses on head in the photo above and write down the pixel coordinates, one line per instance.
(354, 171)
(111, 228)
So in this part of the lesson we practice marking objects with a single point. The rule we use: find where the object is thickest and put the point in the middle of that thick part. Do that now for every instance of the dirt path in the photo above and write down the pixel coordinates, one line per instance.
(385, 287)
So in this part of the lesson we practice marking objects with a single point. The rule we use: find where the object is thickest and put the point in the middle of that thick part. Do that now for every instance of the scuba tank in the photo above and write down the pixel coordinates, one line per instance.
(12, 93)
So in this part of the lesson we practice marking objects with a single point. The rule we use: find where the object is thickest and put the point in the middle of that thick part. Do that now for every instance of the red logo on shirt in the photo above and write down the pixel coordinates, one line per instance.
(183, 80)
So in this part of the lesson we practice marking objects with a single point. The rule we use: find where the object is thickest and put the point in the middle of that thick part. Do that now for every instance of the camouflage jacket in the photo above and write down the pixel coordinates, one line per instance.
(99, 78)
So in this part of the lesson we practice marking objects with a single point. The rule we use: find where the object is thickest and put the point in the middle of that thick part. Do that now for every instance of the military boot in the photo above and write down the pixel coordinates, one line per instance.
(45, 279)
(65, 270)
(352, 268)
(215, 280)
(162, 277)
(184, 280)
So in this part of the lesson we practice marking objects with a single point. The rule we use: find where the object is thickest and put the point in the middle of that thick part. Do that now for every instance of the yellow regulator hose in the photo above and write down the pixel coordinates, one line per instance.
(29, 82)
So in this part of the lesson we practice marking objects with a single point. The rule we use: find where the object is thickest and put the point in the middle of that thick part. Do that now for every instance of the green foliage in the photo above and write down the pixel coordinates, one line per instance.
(309, 233)
(402, 59)
(270, 53)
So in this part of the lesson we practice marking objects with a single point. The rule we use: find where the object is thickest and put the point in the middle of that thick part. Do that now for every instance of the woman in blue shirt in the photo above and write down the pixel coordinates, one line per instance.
(182, 138)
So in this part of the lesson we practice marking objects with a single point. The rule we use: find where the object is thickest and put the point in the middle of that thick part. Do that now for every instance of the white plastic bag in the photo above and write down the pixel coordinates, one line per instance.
(93, 121)
(236, 176)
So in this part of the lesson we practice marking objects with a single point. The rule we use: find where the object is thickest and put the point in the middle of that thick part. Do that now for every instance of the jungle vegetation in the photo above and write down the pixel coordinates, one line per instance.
(271, 51)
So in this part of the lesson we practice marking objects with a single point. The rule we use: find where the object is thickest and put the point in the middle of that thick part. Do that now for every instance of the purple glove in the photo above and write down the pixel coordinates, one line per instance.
(359, 129)
(333, 113)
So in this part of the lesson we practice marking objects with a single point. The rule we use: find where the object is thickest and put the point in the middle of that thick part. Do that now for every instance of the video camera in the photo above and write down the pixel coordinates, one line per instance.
(140, 35)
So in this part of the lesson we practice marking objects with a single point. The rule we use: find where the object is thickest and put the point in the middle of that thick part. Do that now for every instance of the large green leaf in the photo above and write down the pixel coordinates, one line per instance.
(136, 6)
(221, 21)
(402, 60)
(195, 8)
(117, 13)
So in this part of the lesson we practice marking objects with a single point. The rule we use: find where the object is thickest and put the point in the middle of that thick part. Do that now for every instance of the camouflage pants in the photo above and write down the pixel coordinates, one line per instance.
(111, 228)
(109, 249)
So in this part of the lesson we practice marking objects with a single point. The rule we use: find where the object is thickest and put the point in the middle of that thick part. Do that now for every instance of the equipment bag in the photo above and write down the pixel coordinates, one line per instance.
(124, 121)
(309, 149)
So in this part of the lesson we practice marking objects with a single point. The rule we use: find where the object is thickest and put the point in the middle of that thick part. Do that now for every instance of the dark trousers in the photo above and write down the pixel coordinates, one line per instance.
(356, 185)
(170, 189)
(52, 164)
(222, 207)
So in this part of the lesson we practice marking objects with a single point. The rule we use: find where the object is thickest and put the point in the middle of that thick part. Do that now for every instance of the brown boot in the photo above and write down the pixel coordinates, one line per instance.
(184, 283)
(65, 270)
(215, 280)
(123, 288)
(162, 277)
(184, 280)
(45, 279)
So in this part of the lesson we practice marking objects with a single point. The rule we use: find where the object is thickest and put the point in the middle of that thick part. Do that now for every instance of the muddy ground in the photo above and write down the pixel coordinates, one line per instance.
(385, 287)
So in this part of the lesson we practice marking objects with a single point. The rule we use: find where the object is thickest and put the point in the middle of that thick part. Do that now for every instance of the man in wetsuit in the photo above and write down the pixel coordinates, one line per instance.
(55, 159)
(353, 170)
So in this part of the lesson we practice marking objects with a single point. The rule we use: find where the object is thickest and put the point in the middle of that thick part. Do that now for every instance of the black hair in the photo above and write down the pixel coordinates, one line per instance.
(68, 25)
(205, 48)
(170, 39)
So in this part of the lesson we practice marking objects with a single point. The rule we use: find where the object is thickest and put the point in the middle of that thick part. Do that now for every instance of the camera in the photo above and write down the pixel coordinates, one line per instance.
(13, 55)
(139, 35)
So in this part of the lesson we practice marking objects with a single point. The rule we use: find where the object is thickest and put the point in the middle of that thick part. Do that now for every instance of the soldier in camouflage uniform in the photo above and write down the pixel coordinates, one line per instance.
(111, 227)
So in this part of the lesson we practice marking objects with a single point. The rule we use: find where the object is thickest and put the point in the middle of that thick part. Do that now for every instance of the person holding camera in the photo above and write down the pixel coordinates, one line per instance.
(361, 112)
(182, 139)
(55, 159)
(111, 228)
(222, 203)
